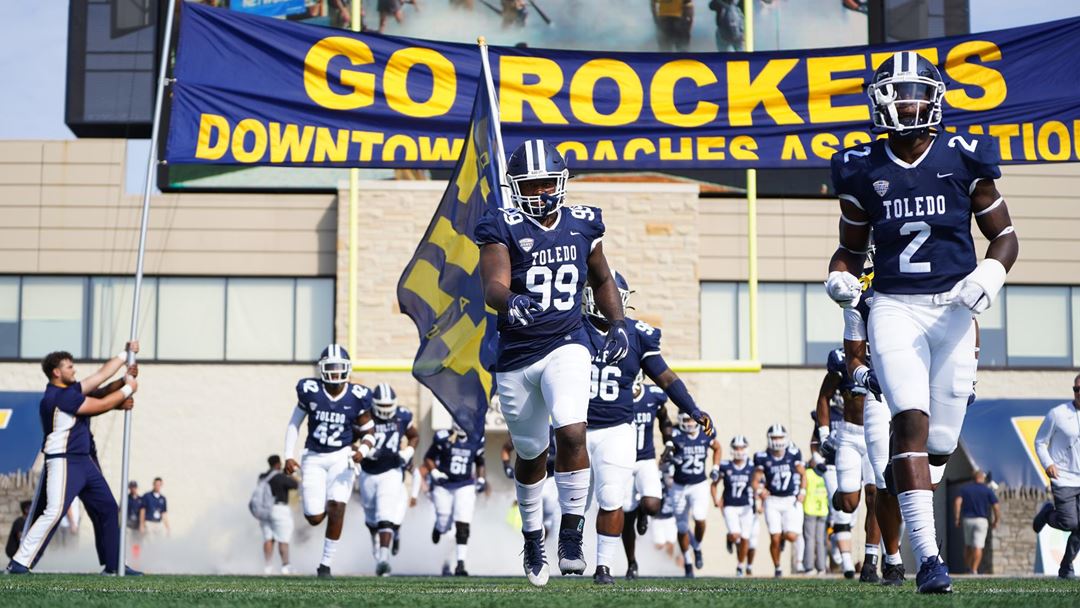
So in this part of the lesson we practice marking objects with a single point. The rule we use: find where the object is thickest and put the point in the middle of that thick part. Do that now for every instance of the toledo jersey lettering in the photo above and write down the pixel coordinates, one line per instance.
(646, 409)
(454, 456)
(781, 478)
(736, 481)
(388, 436)
(611, 393)
(837, 364)
(548, 264)
(690, 455)
(330, 420)
(920, 213)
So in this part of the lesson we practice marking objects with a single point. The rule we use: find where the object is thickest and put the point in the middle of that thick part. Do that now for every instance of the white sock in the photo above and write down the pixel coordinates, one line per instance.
(606, 547)
(462, 551)
(531, 504)
(688, 557)
(384, 554)
(695, 544)
(917, 509)
(329, 547)
(845, 561)
(893, 559)
(873, 550)
(573, 490)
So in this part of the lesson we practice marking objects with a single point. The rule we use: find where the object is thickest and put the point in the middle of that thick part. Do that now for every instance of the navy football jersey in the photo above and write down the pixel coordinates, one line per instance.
(781, 478)
(386, 454)
(690, 454)
(837, 364)
(611, 392)
(551, 266)
(454, 456)
(646, 408)
(836, 416)
(65, 431)
(736, 482)
(920, 214)
(330, 419)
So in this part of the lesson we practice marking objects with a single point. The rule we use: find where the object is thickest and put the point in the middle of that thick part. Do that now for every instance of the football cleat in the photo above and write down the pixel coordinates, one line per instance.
(778, 573)
(602, 576)
(869, 570)
(460, 570)
(892, 575)
(15, 567)
(631, 571)
(534, 562)
(446, 571)
(642, 523)
(382, 569)
(688, 571)
(323, 572)
(699, 559)
(849, 574)
(435, 535)
(571, 557)
(933, 576)
(128, 571)
(738, 572)
(285, 570)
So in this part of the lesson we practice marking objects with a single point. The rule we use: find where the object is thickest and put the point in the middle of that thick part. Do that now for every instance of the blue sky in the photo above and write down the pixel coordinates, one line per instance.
(36, 74)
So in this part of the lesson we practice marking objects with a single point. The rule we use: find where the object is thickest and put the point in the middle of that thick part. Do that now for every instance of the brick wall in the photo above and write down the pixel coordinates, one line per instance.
(14, 488)
(1013, 542)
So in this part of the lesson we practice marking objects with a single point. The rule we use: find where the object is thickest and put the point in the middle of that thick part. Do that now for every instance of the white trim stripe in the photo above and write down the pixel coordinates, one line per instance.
(851, 199)
(971, 188)
(895, 159)
(1001, 199)
(529, 156)
(541, 156)
(1006, 230)
(843, 218)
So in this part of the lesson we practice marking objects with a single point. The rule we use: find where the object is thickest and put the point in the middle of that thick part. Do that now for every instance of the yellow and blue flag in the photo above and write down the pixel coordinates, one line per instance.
(440, 288)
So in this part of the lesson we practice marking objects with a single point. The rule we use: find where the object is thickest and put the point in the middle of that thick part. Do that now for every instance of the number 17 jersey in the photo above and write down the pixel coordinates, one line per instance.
(550, 265)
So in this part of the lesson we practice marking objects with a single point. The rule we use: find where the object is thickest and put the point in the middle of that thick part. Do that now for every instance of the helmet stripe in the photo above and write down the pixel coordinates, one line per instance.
(529, 156)
(541, 156)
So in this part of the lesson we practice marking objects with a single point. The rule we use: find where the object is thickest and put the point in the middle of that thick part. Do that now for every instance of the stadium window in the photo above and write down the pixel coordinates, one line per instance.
(824, 325)
(781, 331)
(1037, 326)
(110, 316)
(314, 327)
(9, 317)
(259, 320)
(719, 319)
(53, 316)
(992, 342)
(191, 319)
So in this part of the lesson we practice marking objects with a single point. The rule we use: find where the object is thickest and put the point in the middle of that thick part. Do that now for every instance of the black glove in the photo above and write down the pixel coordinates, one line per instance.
(828, 447)
(618, 343)
(669, 453)
(714, 474)
(705, 421)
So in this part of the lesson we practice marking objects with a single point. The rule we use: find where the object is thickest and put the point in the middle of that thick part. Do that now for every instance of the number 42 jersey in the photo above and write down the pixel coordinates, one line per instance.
(549, 264)
(330, 419)
(920, 213)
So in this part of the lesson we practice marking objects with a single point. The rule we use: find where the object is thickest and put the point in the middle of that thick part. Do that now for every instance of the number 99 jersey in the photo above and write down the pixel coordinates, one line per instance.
(920, 213)
(551, 266)
(611, 393)
(330, 419)
(454, 456)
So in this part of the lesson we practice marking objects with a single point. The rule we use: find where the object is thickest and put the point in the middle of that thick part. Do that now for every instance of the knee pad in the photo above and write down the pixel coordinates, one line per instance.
(839, 529)
(842, 519)
(530, 448)
(442, 523)
(462, 533)
(385, 526)
(610, 497)
(937, 473)
(942, 439)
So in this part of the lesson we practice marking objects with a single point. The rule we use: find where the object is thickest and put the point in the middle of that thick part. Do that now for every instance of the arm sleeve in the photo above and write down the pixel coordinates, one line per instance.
(854, 328)
(1042, 439)
(292, 432)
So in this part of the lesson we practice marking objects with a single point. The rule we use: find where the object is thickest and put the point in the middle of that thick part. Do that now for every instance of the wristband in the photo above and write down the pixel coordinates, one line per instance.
(364, 449)
(407, 453)
(126, 390)
(123, 355)
(481, 480)
(802, 491)
(822, 433)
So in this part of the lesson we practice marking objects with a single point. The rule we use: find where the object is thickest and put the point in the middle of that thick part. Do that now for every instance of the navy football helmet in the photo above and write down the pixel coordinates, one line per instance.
(588, 301)
(906, 94)
(334, 365)
(384, 401)
(536, 159)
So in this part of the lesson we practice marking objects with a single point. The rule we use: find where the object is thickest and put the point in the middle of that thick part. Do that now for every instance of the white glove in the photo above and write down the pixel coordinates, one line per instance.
(977, 291)
(844, 288)
(437, 475)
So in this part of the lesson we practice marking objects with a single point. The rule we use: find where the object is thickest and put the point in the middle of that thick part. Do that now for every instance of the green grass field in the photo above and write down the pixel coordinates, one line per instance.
(88, 590)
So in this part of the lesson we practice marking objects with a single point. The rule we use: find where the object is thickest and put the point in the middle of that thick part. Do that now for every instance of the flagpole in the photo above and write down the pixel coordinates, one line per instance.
(354, 219)
(751, 214)
(151, 170)
(493, 101)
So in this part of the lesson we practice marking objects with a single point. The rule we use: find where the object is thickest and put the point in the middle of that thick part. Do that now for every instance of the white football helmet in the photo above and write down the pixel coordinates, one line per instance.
(778, 437)
(687, 424)
(739, 444)
(385, 401)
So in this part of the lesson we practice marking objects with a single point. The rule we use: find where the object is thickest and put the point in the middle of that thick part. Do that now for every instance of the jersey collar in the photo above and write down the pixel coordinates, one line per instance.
(332, 398)
(543, 227)
(905, 165)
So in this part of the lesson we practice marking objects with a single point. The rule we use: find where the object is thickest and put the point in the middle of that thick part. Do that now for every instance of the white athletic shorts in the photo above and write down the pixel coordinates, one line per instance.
(381, 495)
(691, 502)
(739, 520)
(647, 483)
(612, 452)
(852, 466)
(279, 527)
(783, 514)
(553, 390)
(664, 530)
(453, 505)
(876, 421)
(325, 476)
(924, 356)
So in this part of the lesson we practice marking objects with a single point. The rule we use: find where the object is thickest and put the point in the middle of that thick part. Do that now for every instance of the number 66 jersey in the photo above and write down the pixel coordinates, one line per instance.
(920, 212)
(549, 264)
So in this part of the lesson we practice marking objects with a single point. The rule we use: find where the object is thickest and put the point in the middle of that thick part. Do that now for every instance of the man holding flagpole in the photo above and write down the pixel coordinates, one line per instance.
(535, 260)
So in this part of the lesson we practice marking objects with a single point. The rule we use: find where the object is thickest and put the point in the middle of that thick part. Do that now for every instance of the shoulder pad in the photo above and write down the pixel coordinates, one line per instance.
(979, 153)
(442, 435)
(725, 463)
(308, 386)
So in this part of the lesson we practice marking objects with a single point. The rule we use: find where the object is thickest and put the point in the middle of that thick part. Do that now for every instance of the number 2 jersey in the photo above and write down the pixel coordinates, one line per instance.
(611, 393)
(781, 476)
(690, 453)
(454, 455)
(330, 420)
(551, 266)
(388, 434)
(736, 480)
(646, 408)
(920, 213)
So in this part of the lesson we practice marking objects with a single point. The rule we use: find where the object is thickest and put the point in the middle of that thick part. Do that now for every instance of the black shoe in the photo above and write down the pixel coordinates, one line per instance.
(435, 535)
(892, 575)
(730, 547)
(849, 574)
(446, 569)
(699, 559)
(688, 571)
(396, 545)
(571, 556)
(602, 576)
(128, 571)
(323, 572)
(15, 567)
(933, 576)
(1042, 517)
(631, 571)
(869, 570)
(642, 523)
(535, 563)
(460, 569)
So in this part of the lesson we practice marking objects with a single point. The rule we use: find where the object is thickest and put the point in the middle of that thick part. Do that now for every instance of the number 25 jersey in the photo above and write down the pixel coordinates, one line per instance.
(920, 213)
(551, 266)
(330, 419)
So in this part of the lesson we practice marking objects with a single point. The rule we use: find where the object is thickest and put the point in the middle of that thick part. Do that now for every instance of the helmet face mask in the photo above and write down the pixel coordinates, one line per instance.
(537, 173)
(384, 401)
(639, 383)
(906, 94)
(688, 425)
(588, 298)
(778, 438)
(334, 365)
(739, 446)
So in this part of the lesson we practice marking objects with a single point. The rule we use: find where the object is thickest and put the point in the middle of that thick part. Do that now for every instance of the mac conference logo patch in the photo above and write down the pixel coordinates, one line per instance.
(881, 187)
(526, 244)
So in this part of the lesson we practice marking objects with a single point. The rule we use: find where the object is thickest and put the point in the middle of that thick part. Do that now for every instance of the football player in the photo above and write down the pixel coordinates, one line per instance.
(339, 434)
(535, 259)
(690, 444)
(381, 488)
(611, 437)
(884, 508)
(737, 500)
(644, 496)
(780, 479)
(455, 463)
(917, 191)
(664, 533)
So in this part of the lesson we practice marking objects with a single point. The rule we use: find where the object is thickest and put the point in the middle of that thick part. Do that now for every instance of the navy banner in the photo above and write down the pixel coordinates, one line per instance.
(260, 91)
